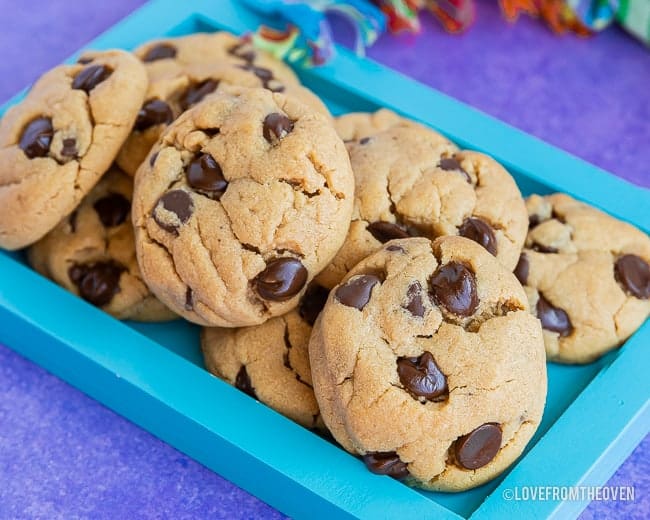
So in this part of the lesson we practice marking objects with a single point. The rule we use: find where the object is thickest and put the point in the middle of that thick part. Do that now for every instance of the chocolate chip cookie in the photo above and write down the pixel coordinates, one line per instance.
(57, 143)
(587, 277)
(182, 71)
(242, 202)
(427, 363)
(358, 125)
(411, 181)
(270, 362)
(91, 253)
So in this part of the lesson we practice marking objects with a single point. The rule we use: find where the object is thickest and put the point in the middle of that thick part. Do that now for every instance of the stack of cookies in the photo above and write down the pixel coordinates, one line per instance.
(361, 275)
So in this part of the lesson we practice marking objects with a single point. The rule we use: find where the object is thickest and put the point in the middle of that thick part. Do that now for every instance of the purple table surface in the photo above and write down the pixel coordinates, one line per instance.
(63, 455)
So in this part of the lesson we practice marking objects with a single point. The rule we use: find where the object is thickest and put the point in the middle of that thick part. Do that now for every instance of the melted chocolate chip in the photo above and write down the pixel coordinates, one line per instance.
(69, 147)
(282, 279)
(189, 299)
(453, 286)
(112, 209)
(37, 137)
(160, 52)
(453, 164)
(196, 93)
(540, 248)
(553, 318)
(480, 232)
(89, 77)
(521, 271)
(422, 377)
(205, 175)
(633, 274)
(177, 202)
(386, 463)
(395, 248)
(415, 303)
(364, 140)
(153, 112)
(243, 382)
(312, 303)
(385, 231)
(98, 282)
(276, 126)
(478, 447)
(356, 291)
(243, 50)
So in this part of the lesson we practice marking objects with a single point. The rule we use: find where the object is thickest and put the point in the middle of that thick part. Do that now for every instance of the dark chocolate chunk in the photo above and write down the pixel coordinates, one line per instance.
(540, 248)
(243, 50)
(480, 232)
(153, 112)
(364, 140)
(415, 303)
(453, 286)
(160, 52)
(478, 447)
(69, 147)
(453, 164)
(312, 303)
(385, 231)
(633, 274)
(356, 291)
(205, 175)
(276, 126)
(243, 382)
(89, 77)
(178, 202)
(282, 279)
(521, 271)
(553, 318)
(386, 463)
(97, 282)
(197, 92)
(37, 137)
(189, 299)
(422, 377)
(112, 209)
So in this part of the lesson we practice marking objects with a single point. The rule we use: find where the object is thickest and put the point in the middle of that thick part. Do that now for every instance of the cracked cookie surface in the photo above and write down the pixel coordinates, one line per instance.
(426, 361)
(91, 253)
(587, 277)
(270, 362)
(182, 71)
(411, 181)
(241, 203)
(58, 142)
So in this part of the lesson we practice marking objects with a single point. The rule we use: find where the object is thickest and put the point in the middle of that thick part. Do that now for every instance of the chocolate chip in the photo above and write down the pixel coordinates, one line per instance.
(243, 382)
(204, 174)
(633, 273)
(274, 86)
(478, 447)
(189, 299)
(356, 291)
(415, 304)
(112, 209)
(394, 248)
(364, 140)
(69, 147)
(98, 282)
(177, 202)
(312, 303)
(37, 137)
(261, 72)
(89, 77)
(540, 248)
(153, 112)
(553, 318)
(84, 60)
(453, 164)
(521, 271)
(196, 93)
(276, 127)
(453, 286)
(282, 279)
(385, 231)
(160, 52)
(243, 50)
(422, 377)
(152, 159)
(386, 463)
(480, 232)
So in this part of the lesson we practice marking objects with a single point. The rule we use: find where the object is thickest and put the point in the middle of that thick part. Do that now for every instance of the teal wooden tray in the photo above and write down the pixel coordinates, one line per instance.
(153, 374)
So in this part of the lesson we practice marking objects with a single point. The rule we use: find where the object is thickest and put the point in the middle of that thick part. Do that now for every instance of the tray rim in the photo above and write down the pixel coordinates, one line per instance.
(86, 365)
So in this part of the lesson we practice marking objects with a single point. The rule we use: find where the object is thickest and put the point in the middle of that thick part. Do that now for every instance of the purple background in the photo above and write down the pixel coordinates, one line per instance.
(63, 455)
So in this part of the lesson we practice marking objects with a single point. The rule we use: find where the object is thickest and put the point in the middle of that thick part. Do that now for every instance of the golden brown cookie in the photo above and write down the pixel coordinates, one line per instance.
(357, 125)
(426, 361)
(57, 143)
